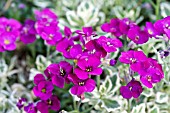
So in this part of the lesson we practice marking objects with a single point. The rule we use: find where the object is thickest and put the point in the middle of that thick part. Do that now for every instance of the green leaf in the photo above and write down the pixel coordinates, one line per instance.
(110, 105)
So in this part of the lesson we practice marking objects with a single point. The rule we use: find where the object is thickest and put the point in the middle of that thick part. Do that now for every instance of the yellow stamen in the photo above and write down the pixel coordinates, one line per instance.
(150, 32)
(6, 42)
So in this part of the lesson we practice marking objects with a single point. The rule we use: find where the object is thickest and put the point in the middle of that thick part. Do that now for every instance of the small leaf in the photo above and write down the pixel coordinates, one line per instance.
(110, 105)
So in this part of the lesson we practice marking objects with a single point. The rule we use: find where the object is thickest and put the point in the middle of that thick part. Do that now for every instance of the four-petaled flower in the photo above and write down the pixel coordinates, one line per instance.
(81, 86)
(132, 89)
(88, 66)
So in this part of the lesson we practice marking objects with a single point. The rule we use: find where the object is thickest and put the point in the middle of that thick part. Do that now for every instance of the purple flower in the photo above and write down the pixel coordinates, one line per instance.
(138, 36)
(43, 90)
(67, 32)
(10, 26)
(133, 58)
(86, 32)
(28, 32)
(76, 51)
(94, 49)
(152, 76)
(59, 73)
(51, 35)
(21, 102)
(45, 14)
(88, 66)
(64, 46)
(47, 26)
(30, 108)
(21, 6)
(163, 26)
(7, 41)
(125, 25)
(43, 25)
(150, 72)
(151, 30)
(112, 27)
(109, 44)
(81, 86)
(112, 62)
(132, 89)
(38, 78)
(52, 103)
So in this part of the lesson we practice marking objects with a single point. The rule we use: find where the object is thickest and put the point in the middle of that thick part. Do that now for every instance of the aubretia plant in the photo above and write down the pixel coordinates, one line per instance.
(86, 55)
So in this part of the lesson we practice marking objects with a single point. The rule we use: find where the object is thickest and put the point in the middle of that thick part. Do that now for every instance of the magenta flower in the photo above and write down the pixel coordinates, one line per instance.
(112, 62)
(137, 36)
(7, 41)
(94, 49)
(133, 58)
(47, 26)
(86, 32)
(109, 44)
(30, 108)
(81, 86)
(52, 103)
(10, 26)
(132, 89)
(67, 32)
(76, 51)
(43, 90)
(112, 27)
(45, 14)
(88, 66)
(64, 46)
(151, 30)
(42, 25)
(163, 26)
(28, 32)
(38, 78)
(21, 102)
(59, 73)
(152, 76)
(150, 72)
(125, 25)
(51, 35)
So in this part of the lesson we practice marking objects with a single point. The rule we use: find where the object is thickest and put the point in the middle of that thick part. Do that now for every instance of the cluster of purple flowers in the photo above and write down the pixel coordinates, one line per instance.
(119, 27)
(44, 90)
(87, 50)
(149, 69)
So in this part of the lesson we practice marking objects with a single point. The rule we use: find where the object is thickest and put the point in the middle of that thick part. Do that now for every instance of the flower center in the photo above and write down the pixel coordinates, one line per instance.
(6, 41)
(81, 83)
(68, 48)
(149, 78)
(92, 51)
(167, 26)
(89, 69)
(43, 90)
(133, 60)
(130, 88)
(8, 28)
(49, 102)
(62, 73)
(137, 38)
(51, 36)
(150, 32)
(25, 29)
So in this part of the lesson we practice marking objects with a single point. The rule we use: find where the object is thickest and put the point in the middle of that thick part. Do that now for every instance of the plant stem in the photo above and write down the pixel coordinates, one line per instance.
(78, 106)
(48, 51)
(157, 9)
(74, 104)
(98, 82)
(129, 108)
